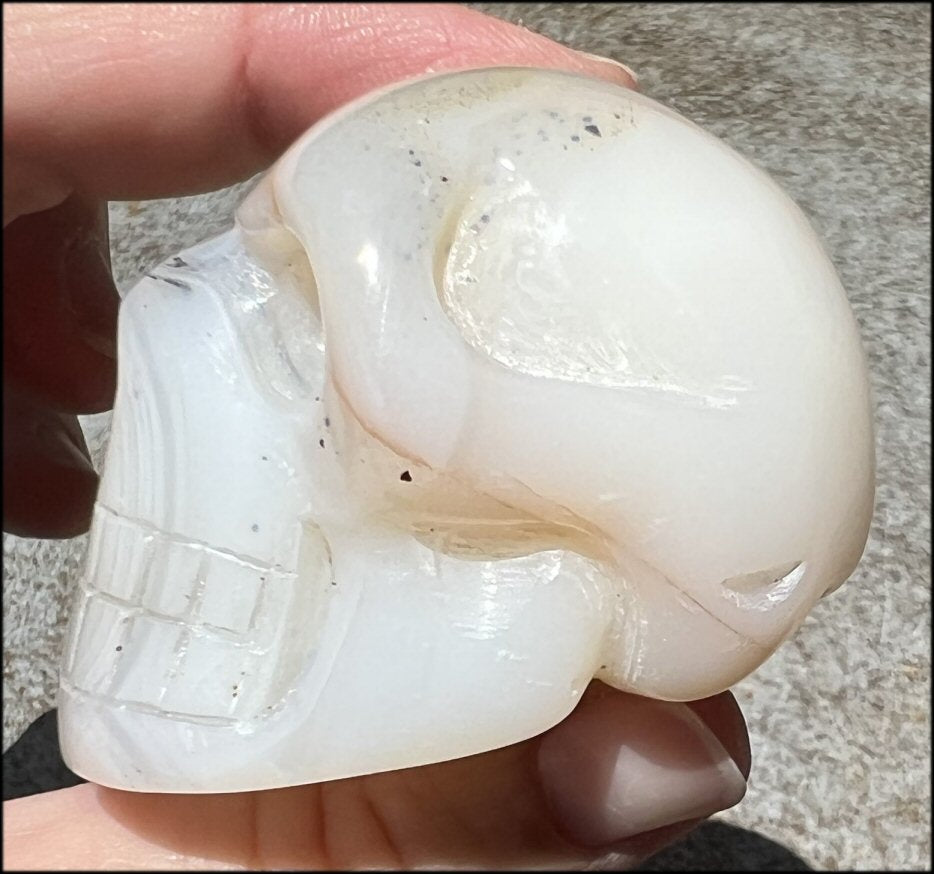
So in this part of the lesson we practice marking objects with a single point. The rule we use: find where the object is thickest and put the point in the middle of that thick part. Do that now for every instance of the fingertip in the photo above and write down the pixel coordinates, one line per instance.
(622, 766)
(238, 81)
(51, 503)
(474, 38)
(61, 307)
(49, 483)
(723, 716)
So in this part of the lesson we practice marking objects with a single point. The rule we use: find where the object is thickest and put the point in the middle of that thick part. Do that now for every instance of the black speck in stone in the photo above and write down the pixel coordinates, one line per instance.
(593, 130)
(417, 163)
(444, 178)
(406, 477)
(616, 115)
(321, 443)
(178, 262)
(411, 151)
(588, 119)
(264, 457)
(327, 422)
(254, 527)
(484, 218)
(575, 138)
(119, 648)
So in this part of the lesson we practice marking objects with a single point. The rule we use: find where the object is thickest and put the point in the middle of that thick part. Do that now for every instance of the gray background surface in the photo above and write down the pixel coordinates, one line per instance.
(834, 101)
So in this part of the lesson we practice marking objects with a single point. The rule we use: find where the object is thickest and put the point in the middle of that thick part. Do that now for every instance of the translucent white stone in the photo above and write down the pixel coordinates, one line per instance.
(503, 380)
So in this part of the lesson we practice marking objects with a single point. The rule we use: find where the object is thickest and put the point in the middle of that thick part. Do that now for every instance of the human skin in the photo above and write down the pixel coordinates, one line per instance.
(138, 101)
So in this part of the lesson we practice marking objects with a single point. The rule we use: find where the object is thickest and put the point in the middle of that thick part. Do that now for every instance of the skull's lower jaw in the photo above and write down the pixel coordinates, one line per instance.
(431, 666)
(427, 660)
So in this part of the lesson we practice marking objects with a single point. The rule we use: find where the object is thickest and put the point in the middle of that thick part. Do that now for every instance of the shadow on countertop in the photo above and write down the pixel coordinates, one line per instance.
(34, 764)
(716, 846)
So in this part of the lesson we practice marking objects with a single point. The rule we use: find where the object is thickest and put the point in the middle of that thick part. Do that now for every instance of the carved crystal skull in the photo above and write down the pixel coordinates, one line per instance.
(503, 380)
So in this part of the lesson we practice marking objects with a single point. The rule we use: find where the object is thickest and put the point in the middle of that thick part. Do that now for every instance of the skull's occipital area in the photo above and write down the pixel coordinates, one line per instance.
(503, 380)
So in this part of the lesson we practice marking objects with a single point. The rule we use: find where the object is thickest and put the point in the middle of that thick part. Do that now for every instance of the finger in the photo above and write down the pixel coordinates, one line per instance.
(172, 99)
(722, 714)
(643, 770)
(60, 307)
(672, 765)
(49, 484)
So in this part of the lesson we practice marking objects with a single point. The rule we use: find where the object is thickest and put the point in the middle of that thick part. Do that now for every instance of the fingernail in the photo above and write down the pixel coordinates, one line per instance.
(633, 79)
(627, 765)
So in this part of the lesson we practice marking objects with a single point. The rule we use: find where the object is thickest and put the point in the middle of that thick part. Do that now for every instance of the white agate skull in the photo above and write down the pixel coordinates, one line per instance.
(503, 380)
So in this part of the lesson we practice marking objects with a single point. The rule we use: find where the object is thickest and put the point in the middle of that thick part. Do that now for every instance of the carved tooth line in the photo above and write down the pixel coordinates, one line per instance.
(189, 620)
(193, 610)
(192, 624)
(150, 709)
(256, 612)
(189, 624)
(181, 650)
(256, 563)
(71, 642)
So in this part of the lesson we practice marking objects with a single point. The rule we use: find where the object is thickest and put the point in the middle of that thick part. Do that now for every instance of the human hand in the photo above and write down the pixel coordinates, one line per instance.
(133, 102)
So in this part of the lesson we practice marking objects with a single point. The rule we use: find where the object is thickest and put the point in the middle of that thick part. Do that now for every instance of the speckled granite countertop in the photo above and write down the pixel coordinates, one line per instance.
(833, 100)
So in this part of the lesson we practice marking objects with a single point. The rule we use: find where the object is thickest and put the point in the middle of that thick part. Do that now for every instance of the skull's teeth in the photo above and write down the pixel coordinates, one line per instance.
(175, 626)
(119, 554)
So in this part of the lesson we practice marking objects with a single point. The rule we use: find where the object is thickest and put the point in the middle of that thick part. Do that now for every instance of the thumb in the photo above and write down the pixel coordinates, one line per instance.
(617, 780)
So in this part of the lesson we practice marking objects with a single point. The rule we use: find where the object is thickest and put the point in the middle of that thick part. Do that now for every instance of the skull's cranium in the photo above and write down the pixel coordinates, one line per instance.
(504, 380)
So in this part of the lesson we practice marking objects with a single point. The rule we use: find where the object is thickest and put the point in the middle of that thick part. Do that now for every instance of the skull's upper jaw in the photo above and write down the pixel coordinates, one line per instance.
(436, 435)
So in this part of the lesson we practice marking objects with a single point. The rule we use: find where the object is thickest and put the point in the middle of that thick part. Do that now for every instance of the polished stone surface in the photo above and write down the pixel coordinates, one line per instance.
(834, 101)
